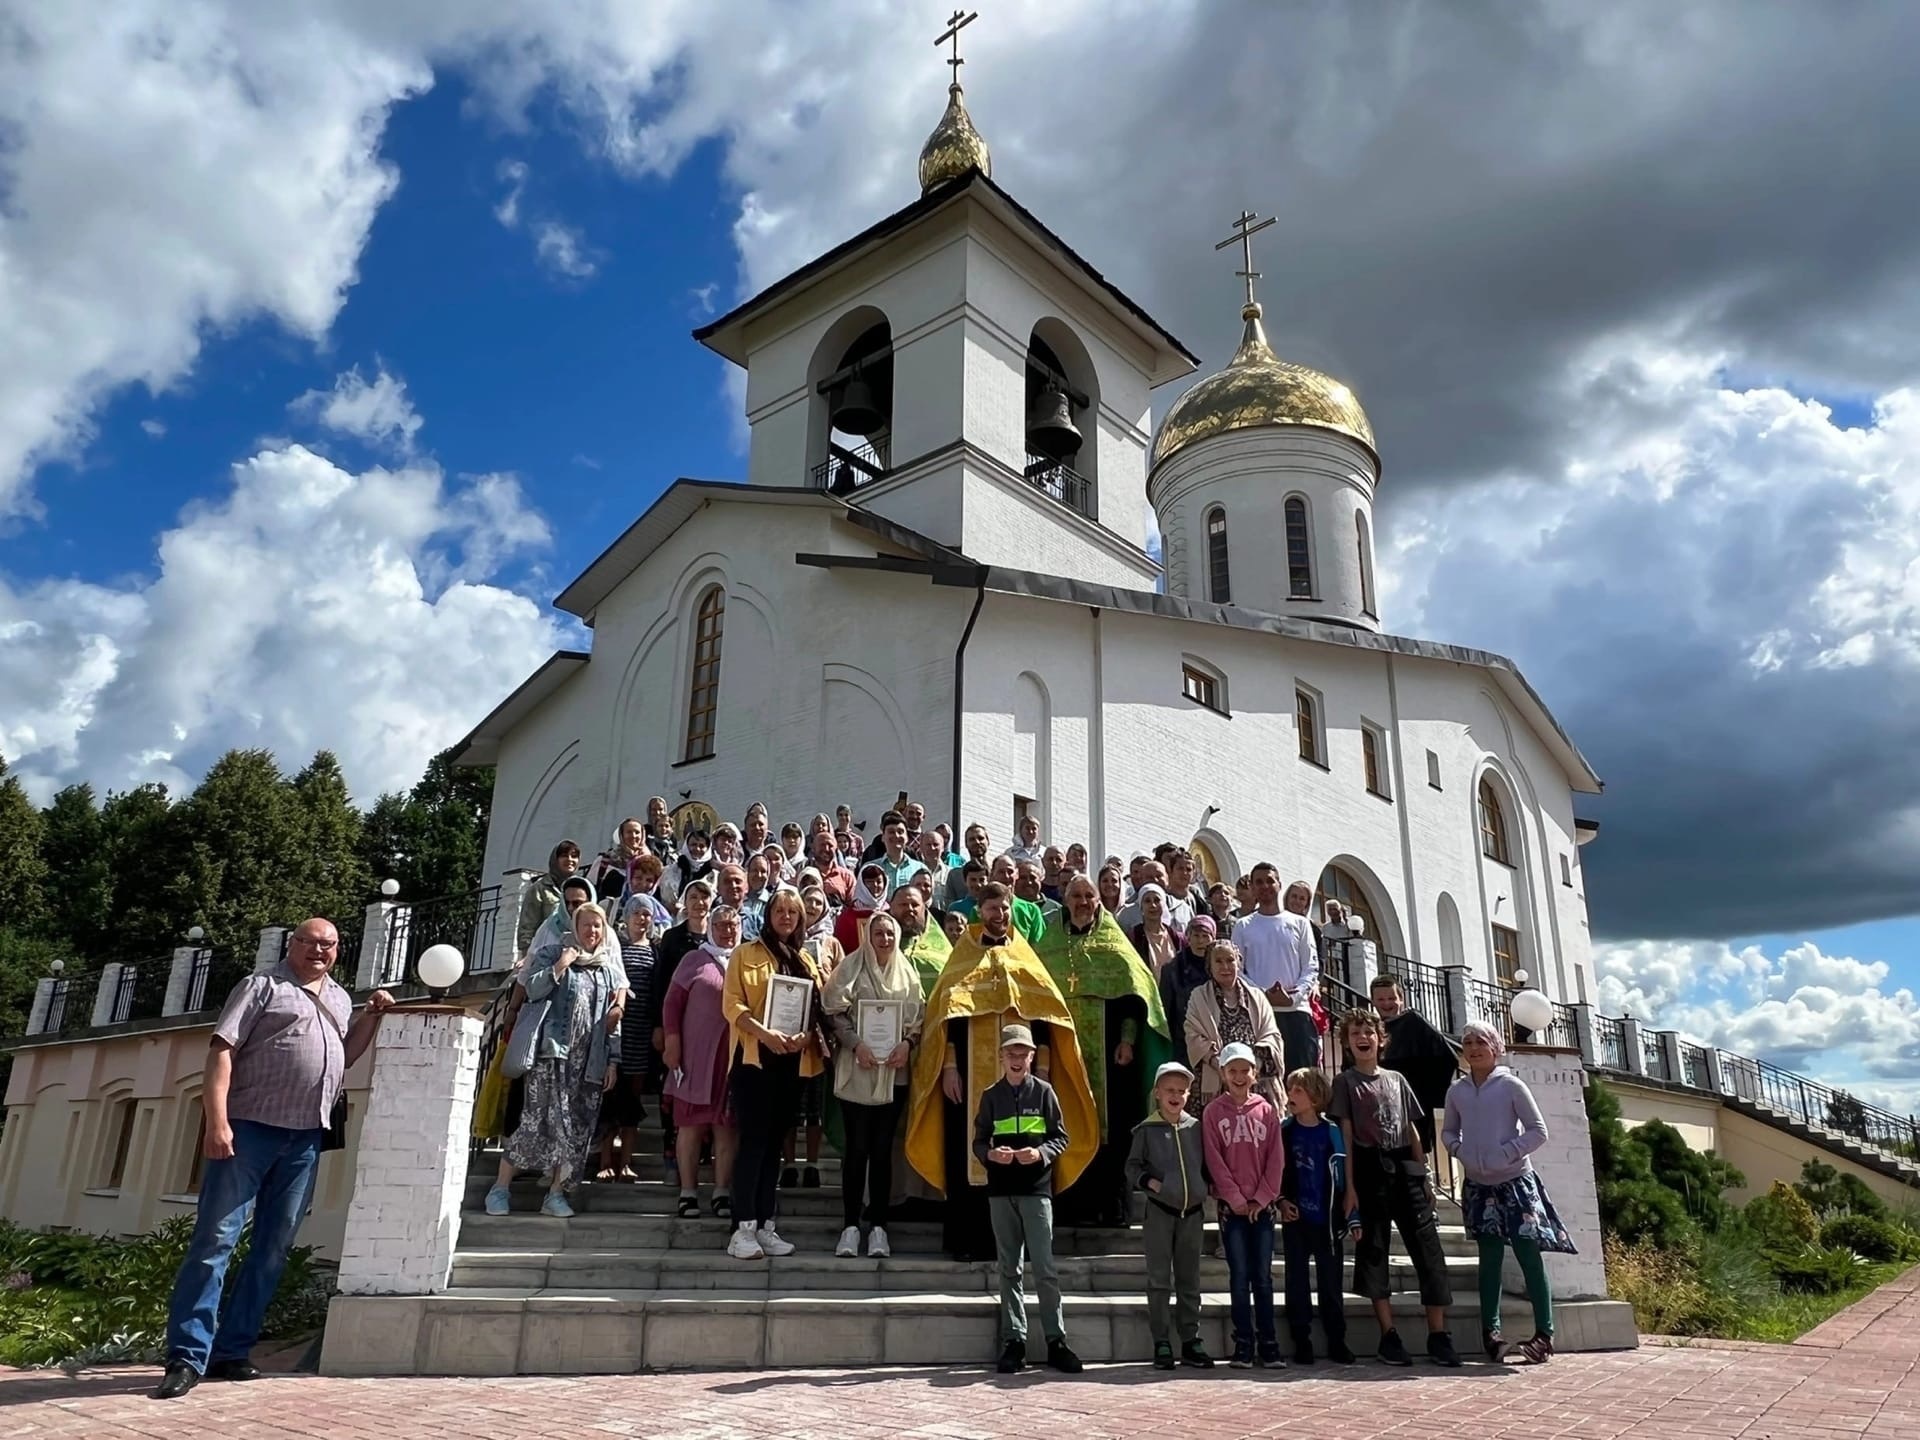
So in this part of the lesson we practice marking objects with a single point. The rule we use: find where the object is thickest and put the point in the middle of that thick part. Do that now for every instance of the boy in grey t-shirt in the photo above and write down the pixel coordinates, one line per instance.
(1388, 1182)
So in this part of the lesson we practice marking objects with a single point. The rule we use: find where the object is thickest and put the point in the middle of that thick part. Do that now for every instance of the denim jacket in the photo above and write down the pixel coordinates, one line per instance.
(591, 987)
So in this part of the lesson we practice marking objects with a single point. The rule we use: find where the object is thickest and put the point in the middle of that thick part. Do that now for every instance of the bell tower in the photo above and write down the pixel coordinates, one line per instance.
(960, 370)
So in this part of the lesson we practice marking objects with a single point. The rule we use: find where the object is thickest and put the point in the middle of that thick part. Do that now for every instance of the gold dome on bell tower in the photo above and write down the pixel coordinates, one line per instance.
(955, 146)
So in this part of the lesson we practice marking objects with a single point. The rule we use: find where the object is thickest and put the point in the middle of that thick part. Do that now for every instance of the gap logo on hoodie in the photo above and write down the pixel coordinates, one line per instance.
(1243, 1127)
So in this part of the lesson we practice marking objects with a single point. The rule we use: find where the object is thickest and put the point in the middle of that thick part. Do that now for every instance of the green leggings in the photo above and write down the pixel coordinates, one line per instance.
(1492, 1254)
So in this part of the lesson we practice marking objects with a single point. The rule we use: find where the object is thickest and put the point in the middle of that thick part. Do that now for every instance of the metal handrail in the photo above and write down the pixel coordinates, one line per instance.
(1060, 481)
(466, 921)
(847, 470)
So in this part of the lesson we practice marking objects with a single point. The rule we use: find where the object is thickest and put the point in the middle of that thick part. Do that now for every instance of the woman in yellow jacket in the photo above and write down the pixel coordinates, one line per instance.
(768, 1067)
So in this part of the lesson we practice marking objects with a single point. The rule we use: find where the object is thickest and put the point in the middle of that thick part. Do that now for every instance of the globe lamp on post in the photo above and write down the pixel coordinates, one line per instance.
(440, 968)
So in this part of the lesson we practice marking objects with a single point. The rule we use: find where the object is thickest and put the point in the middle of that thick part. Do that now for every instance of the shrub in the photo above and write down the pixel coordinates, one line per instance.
(1817, 1269)
(1652, 1185)
(1781, 1219)
(1662, 1285)
(1867, 1237)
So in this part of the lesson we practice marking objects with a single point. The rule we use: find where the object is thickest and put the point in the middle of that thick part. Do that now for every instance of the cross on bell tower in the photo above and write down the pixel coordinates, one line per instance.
(955, 147)
(956, 22)
(1245, 227)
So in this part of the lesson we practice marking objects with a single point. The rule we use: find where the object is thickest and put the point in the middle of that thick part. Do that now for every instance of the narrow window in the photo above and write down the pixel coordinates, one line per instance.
(1363, 540)
(1493, 825)
(1219, 582)
(1433, 768)
(1306, 716)
(1373, 755)
(114, 1170)
(703, 694)
(1566, 870)
(1200, 686)
(1299, 554)
(1506, 955)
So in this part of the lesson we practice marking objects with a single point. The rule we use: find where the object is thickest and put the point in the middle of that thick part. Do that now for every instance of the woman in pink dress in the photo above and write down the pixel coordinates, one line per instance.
(697, 1043)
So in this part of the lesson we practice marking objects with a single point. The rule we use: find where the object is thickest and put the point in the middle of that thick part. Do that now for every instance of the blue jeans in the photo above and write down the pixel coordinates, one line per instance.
(1249, 1247)
(269, 1176)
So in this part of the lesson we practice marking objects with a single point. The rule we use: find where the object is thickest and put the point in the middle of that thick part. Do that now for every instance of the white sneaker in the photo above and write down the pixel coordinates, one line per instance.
(849, 1245)
(744, 1245)
(877, 1245)
(771, 1243)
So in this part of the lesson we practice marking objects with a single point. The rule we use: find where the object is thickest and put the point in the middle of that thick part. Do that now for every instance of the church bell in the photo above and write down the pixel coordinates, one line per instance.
(1050, 428)
(856, 412)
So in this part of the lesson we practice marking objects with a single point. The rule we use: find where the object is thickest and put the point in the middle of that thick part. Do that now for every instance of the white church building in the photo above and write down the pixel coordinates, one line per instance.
(936, 579)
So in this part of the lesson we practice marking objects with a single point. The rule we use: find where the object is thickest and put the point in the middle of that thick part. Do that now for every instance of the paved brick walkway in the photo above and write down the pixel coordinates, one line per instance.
(1854, 1376)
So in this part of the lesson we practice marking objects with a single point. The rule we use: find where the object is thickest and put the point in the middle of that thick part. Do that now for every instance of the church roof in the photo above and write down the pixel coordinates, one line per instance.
(482, 743)
(723, 336)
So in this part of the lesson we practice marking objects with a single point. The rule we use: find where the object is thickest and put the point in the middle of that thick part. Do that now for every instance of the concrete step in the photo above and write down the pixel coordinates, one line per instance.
(594, 1271)
(510, 1331)
(532, 1233)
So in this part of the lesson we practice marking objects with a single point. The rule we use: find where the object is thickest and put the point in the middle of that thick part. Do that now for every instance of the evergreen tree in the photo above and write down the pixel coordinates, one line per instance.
(158, 891)
(79, 887)
(245, 864)
(22, 870)
(433, 839)
(331, 875)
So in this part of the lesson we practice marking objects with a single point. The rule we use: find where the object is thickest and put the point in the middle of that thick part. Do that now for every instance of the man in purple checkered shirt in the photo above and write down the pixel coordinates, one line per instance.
(278, 1059)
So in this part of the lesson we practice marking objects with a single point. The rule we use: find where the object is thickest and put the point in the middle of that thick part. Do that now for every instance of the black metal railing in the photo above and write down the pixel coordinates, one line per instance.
(1564, 1031)
(1060, 481)
(1610, 1042)
(56, 1008)
(1425, 987)
(1488, 1003)
(213, 976)
(1693, 1067)
(83, 992)
(844, 470)
(141, 993)
(1653, 1054)
(1818, 1106)
(465, 921)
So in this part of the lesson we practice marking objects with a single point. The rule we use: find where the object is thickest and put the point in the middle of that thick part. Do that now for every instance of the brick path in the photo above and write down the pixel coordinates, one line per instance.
(1853, 1376)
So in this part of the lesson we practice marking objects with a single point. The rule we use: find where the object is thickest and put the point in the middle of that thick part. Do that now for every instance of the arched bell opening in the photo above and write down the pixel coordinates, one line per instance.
(851, 426)
(1063, 404)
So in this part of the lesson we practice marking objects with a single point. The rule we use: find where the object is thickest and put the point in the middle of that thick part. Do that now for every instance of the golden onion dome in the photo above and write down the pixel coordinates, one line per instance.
(1259, 388)
(954, 147)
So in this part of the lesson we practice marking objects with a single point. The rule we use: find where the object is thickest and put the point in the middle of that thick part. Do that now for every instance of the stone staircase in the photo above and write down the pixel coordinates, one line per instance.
(626, 1284)
(1836, 1142)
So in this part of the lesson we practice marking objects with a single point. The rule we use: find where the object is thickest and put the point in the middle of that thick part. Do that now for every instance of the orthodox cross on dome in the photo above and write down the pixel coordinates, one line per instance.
(1244, 229)
(956, 22)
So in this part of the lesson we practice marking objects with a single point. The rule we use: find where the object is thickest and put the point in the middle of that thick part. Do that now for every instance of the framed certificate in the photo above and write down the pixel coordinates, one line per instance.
(882, 1023)
(789, 1002)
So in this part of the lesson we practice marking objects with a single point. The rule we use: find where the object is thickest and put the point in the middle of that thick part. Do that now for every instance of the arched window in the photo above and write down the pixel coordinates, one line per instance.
(703, 691)
(1204, 860)
(1219, 582)
(1336, 883)
(1493, 825)
(1299, 550)
(1365, 543)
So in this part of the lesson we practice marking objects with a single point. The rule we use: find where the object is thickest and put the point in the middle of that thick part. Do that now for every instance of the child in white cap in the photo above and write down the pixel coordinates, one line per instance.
(1246, 1162)
(1168, 1162)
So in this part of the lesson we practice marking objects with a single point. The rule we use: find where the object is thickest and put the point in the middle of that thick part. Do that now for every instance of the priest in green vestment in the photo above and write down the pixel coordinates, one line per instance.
(922, 942)
(1122, 1031)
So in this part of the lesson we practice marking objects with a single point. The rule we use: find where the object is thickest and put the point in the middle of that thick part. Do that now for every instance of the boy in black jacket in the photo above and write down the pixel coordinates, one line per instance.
(1018, 1134)
(1168, 1161)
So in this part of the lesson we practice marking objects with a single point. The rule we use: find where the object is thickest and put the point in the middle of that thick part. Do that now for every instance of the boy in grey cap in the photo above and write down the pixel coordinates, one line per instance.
(1168, 1162)
(1018, 1134)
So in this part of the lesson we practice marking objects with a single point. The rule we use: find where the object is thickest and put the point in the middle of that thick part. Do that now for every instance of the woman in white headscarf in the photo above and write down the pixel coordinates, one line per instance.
(872, 1089)
(1155, 936)
(869, 896)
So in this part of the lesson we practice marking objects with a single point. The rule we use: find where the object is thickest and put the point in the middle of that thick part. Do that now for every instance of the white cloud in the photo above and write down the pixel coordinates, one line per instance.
(377, 410)
(514, 173)
(309, 606)
(563, 250)
(155, 428)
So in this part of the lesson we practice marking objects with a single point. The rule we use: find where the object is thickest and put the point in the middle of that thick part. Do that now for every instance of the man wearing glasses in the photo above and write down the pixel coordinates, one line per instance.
(276, 1064)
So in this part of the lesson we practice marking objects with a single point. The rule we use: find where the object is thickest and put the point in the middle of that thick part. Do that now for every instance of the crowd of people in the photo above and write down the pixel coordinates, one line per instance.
(1011, 1038)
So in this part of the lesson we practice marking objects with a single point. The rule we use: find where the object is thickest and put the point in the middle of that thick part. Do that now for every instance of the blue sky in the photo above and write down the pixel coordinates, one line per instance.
(1639, 355)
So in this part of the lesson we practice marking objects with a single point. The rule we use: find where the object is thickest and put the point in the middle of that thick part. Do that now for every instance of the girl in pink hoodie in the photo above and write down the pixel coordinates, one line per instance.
(1245, 1160)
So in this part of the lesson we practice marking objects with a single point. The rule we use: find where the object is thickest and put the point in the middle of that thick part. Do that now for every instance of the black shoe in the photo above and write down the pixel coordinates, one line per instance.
(1270, 1358)
(789, 1178)
(1162, 1355)
(1495, 1346)
(1340, 1353)
(1195, 1354)
(810, 1177)
(1393, 1350)
(1013, 1359)
(1060, 1356)
(1440, 1350)
(1302, 1348)
(1242, 1356)
(180, 1378)
(232, 1370)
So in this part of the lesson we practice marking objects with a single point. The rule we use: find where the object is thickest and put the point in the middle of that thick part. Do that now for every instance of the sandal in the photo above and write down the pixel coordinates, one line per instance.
(1538, 1350)
(723, 1206)
(689, 1206)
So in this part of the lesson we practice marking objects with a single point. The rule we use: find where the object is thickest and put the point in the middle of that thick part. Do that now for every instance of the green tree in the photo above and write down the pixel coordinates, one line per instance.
(243, 866)
(157, 888)
(433, 839)
(24, 959)
(22, 870)
(79, 886)
(330, 876)
(1637, 1202)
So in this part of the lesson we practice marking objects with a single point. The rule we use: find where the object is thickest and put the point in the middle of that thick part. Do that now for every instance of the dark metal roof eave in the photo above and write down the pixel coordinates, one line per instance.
(1146, 602)
(900, 219)
(553, 672)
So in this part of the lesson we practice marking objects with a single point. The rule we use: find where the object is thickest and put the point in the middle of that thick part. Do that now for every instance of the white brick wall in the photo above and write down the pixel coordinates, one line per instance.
(1565, 1165)
(410, 1170)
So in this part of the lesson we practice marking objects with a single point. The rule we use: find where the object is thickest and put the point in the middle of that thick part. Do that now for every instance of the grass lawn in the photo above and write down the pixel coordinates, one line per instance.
(1788, 1316)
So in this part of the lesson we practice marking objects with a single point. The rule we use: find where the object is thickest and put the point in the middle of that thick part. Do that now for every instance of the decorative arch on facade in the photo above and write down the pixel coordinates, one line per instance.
(523, 836)
(863, 338)
(1350, 879)
(1452, 947)
(1032, 718)
(1213, 857)
(1514, 876)
(833, 672)
(1055, 345)
(1303, 575)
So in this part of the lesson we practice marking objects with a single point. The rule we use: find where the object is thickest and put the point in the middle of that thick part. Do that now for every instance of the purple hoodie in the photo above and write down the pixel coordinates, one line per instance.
(1493, 1126)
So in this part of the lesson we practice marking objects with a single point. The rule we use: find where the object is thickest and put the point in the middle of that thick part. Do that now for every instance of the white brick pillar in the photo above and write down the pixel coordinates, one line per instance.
(273, 942)
(1669, 1041)
(1565, 1166)
(1716, 1072)
(108, 992)
(410, 1169)
(1459, 1007)
(1636, 1056)
(376, 945)
(42, 1003)
(1583, 1033)
(179, 980)
(506, 927)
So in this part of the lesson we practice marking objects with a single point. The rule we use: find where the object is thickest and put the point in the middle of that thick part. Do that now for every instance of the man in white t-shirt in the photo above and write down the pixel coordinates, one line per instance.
(1280, 957)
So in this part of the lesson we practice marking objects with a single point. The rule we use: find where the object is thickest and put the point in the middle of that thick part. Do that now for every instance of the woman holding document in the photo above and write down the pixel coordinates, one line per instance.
(873, 1008)
(772, 1001)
